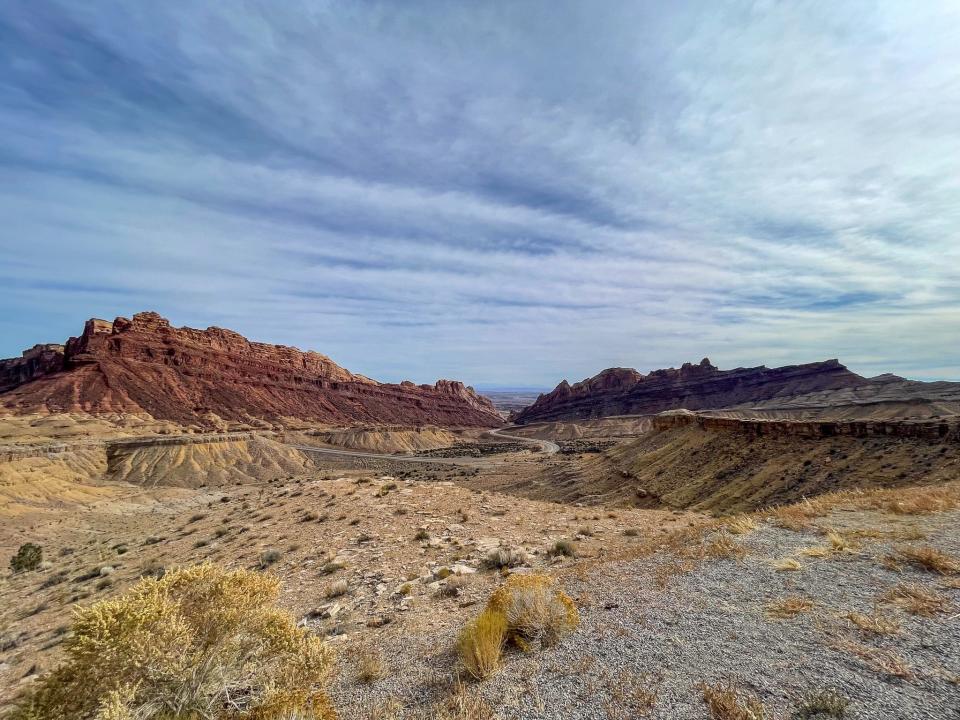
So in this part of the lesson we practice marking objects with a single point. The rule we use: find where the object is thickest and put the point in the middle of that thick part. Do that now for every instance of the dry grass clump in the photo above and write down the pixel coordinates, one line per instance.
(930, 559)
(725, 702)
(915, 500)
(565, 548)
(918, 600)
(820, 705)
(505, 557)
(740, 525)
(918, 500)
(480, 643)
(268, 557)
(462, 705)
(837, 544)
(787, 565)
(201, 642)
(875, 623)
(789, 607)
(453, 587)
(724, 547)
(525, 610)
(796, 517)
(336, 589)
(369, 663)
(882, 661)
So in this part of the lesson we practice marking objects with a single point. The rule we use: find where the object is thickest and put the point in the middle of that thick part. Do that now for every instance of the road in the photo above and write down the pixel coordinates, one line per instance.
(546, 446)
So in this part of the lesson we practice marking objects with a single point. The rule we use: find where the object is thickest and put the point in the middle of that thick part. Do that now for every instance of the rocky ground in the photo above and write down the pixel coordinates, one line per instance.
(643, 650)
(389, 561)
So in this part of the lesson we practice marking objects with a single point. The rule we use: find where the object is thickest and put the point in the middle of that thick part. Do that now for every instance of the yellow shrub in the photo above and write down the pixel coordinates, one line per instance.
(481, 642)
(201, 642)
(534, 609)
(525, 609)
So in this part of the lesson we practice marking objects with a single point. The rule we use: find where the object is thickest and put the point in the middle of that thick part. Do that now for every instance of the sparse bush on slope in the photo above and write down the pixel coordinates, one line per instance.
(201, 643)
(525, 610)
(28, 557)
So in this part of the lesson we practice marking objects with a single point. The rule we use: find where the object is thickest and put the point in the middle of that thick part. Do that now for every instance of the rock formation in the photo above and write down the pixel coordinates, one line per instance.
(623, 391)
(143, 365)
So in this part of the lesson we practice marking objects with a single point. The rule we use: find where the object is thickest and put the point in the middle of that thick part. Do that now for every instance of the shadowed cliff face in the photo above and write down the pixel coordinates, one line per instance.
(189, 376)
(620, 391)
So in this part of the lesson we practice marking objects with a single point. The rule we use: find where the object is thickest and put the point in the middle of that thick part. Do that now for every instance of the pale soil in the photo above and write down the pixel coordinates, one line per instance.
(310, 519)
(650, 628)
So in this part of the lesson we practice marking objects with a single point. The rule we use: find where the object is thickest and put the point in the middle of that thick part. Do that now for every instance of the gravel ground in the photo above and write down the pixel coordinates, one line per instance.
(712, 625)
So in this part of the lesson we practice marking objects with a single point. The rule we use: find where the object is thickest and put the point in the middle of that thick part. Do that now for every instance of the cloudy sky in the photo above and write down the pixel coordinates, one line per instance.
(506, 193)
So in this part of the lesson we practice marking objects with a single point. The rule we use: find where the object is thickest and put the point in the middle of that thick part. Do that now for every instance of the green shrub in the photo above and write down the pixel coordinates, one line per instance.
(28, 557)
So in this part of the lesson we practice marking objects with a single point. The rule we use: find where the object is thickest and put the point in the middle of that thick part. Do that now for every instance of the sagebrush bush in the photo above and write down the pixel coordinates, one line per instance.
(201, 642)
(28, 557)
(535, 610)
(505, 557)
(525, 610)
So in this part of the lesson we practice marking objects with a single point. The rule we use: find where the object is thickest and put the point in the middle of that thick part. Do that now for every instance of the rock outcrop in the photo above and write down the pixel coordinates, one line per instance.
(202, 377)
(36, 362)
(623, 391)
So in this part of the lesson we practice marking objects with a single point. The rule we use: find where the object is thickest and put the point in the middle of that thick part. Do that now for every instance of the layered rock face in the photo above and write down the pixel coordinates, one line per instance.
(36, 362)
(189, 376)
(622, 391)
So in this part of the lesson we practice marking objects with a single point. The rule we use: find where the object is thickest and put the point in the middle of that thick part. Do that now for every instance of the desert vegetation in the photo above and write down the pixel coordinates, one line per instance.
(199, 642)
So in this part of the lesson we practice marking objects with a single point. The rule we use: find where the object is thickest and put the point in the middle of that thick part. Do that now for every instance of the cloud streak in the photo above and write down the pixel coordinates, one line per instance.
(505, 193)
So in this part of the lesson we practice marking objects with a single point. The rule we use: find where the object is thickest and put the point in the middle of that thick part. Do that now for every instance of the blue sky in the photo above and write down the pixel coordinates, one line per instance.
(505, 193)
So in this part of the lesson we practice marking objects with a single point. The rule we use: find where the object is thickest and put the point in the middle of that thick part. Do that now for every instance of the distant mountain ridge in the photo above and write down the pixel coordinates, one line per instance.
(625, 391)
(202, 377)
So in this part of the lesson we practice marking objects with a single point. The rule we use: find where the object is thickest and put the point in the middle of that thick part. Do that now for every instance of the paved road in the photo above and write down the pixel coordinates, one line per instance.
(546, 446)
(387, 456)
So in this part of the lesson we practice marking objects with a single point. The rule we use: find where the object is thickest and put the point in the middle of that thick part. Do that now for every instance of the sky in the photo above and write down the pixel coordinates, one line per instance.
(506, 193)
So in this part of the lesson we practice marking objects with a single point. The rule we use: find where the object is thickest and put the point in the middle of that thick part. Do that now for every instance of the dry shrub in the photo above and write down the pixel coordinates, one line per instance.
(480, 643)
(724, 547)
(629, 697)
(505, 557)
(535, 610)
(201, 642)
(336, 589)
(837, 544)
(796, 517)
(789, 607)
(740, 525)
(918, 600)
(369, 663)
(820, 705)
(454, 586)
(525, 610)
(917, 500)
(930, 559)
(787, 565)
(725, 702)
(463, 705)
(875, 623)
(882, 661)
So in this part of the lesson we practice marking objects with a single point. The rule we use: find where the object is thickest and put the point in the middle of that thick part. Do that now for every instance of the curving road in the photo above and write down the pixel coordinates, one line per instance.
(545, 445)
(385, 456)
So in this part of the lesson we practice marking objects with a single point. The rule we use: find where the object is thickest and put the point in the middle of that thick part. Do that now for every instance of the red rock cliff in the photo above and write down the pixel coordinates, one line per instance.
(184, 375)
(620, 391)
